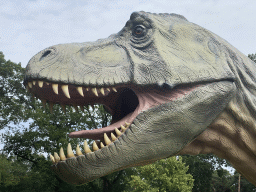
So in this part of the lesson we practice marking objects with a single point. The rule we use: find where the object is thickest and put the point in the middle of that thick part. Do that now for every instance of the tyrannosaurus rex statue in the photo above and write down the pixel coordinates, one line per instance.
(171, 86)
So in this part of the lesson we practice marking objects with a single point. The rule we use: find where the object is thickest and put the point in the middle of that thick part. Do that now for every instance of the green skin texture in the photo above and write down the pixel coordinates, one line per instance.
(172, 52)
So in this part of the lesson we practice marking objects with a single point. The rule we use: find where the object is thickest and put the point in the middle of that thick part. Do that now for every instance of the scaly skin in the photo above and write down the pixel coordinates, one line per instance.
(171, 86)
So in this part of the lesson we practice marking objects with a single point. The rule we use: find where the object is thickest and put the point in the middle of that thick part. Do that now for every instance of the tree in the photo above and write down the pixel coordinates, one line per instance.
(244, 184)
(13, 98)
(163, 175)
(201, 168)
(222, 181)
(252, 57)
(11, 172)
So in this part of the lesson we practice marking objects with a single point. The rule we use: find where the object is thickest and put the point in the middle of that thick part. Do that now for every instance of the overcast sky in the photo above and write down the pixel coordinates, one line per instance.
(28, 26)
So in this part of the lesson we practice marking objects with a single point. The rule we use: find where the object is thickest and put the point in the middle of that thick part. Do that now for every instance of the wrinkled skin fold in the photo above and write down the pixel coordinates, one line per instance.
(171, 86)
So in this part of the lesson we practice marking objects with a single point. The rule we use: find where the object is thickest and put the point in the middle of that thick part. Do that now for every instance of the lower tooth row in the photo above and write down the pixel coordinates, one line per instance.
(61, 157)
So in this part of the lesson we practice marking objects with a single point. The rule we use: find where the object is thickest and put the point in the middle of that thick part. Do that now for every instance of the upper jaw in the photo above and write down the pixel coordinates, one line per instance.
(97, 64)
(67, 94)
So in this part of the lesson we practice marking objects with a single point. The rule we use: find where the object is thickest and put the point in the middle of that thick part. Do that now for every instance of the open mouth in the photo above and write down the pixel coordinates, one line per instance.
(148, 123)
(123, 102)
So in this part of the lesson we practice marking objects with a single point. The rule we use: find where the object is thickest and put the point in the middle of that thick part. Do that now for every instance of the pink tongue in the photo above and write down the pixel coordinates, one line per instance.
(97, 134)
(147, 99)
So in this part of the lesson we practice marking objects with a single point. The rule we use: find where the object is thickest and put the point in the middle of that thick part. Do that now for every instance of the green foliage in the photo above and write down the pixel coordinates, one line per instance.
(11, 172)
(163, 175)
(201, 169)
(13, 99)
(209, 175)
(244, 184)
(222, 180)
(252, 57)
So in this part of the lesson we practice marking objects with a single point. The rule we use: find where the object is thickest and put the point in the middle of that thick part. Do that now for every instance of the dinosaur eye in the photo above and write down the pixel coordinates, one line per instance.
(139, 31)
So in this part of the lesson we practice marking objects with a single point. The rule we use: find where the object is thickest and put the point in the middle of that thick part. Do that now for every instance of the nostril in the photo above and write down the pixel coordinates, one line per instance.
(45, 54)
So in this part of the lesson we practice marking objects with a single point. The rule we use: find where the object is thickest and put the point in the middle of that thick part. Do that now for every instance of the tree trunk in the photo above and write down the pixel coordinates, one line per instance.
(239, 180)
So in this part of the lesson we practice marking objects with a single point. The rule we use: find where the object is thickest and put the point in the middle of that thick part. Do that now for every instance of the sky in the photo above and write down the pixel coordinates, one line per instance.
(28, 26)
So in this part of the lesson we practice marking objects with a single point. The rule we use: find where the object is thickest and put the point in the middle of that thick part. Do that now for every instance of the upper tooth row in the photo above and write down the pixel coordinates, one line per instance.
(66, 90)
(61, 157)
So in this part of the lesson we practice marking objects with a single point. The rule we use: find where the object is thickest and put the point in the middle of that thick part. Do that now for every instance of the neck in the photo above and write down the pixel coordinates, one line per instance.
(231, 136)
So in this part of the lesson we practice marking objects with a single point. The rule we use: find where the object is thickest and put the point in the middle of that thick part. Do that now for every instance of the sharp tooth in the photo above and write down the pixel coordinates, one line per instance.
(69, 151)
(30, 84)
(34, 82)
(80, 91)
(102, 91)
(114, 89)
(86, 147)
(87, 89)
(82, 108)
(94, 90)
(101, 145)
(113, 137)
(62, 155)
(43, 103)
(118, 132)
(108, 89)
(95, 146)
(52, 159)
(75, 106)
(106, 139)
(63, 107)
(127, 124)
(123, 128)
(51, 106)
(56, 157)
(40, 84)
(78, 151)
(55, 88)
(65, 90)
(47, 83)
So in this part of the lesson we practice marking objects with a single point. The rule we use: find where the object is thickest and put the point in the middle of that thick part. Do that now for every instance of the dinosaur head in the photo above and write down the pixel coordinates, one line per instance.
(163, 79)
